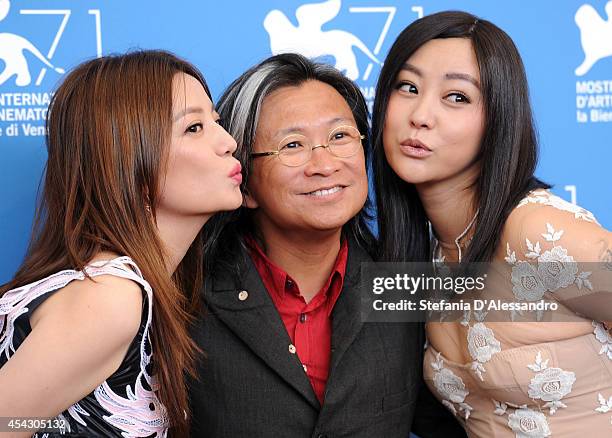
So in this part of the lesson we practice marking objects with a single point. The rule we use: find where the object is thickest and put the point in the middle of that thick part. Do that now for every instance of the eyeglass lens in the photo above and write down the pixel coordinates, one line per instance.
(342, 142)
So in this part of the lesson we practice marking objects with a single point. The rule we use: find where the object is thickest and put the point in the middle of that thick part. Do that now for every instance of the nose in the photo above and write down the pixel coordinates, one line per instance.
(322, 162)
(226, 141)
(422, 115)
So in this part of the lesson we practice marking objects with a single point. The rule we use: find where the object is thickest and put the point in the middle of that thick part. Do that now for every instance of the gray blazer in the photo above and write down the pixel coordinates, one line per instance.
(251, 384)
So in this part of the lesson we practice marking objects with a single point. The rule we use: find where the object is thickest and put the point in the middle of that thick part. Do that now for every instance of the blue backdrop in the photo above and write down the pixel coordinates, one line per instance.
(566, 46)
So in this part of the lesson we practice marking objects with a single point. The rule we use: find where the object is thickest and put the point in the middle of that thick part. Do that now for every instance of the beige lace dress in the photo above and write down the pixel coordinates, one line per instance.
(535, 379)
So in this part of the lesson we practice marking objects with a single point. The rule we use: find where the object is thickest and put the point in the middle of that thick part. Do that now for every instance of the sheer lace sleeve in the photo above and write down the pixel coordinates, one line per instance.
(567, 254)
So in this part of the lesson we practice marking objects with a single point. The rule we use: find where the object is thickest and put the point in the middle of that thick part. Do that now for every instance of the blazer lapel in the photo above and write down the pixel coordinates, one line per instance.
(346, 316)
(253, 317)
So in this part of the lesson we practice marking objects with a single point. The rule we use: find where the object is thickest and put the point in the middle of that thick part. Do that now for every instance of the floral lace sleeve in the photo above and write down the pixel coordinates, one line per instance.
(559, 249)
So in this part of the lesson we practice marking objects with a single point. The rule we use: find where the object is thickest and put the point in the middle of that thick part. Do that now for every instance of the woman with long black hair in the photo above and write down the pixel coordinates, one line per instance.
(455, 155)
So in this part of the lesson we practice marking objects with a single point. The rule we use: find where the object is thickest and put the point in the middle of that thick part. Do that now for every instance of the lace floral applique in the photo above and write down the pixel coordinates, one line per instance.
(550, 384)
(546, 198)
(555, 269)
(481, 341)
(451, 388)
(524, 422)
(605, 406)
(603, 336)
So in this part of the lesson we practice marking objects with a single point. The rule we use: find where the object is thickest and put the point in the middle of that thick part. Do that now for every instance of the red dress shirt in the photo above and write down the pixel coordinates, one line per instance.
(308, 324)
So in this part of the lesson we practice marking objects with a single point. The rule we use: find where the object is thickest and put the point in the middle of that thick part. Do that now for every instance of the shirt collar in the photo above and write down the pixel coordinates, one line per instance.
(279, 278)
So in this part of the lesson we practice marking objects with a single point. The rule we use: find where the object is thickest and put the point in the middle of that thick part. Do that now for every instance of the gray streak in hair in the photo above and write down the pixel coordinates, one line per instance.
(245, 98)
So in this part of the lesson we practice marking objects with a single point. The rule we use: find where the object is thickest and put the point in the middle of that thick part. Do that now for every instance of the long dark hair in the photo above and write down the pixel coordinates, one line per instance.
(508, 150)
(108, 130)
(239, 109)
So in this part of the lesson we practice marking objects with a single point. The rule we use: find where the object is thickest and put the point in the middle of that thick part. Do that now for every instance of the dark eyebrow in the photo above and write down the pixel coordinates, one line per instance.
(463, 77)
(188, 110)
(448, 76)
(412, 68)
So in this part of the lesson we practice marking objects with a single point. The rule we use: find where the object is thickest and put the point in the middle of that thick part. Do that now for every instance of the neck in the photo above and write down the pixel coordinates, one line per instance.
(308, 257)
(450, 207)
(177, 233)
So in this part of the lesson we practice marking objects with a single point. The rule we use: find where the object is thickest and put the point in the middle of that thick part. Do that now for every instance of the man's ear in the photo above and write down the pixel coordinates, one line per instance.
(248, 201)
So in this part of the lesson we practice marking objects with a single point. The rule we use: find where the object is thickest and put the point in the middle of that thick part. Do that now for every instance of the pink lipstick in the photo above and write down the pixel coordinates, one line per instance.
(236, 173)
(415, 149)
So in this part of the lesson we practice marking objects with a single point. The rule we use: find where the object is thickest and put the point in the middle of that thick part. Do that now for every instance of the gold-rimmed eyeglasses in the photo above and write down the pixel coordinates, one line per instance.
(296, 149)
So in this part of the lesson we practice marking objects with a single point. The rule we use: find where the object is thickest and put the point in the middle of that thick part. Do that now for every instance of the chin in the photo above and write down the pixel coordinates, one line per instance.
(329, 223)
(410, 177)
(416, 181)
(234, 200)
(237, 204)
(228, 205)
(232, 207)
(412, 173)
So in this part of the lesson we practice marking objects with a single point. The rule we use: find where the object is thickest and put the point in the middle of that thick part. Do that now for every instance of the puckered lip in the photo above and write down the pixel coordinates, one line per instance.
(325, 187)
(236, 170)
(413, 142)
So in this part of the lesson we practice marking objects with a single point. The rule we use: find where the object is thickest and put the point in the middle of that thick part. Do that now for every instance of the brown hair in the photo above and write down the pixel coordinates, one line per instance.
(108, 129)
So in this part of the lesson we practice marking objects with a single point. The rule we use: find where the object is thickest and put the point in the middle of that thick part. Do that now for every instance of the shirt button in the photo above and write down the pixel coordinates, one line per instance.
(289, 282)
(243, 295)
(292, 349)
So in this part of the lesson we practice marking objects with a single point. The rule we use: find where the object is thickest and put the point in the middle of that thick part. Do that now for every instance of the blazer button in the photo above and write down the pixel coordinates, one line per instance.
(243, 295)
(292, 349)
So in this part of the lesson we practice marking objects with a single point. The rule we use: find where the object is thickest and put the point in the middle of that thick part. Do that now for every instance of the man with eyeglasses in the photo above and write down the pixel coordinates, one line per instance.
(286, 352)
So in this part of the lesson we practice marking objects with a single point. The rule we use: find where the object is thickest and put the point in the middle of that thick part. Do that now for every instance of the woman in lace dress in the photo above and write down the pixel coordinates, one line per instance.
(94, 326)
(455, 153)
